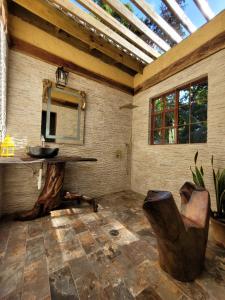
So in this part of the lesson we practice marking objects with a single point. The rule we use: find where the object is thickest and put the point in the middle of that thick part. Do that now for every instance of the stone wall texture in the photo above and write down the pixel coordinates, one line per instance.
(3, 77)
(1, 188)
(107, 131)
(167, 166)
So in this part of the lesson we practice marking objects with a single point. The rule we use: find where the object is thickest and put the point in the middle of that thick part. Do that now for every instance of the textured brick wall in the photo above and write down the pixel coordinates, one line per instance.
(167, 166)
(108, 129)
(3, 75)
(1, 191)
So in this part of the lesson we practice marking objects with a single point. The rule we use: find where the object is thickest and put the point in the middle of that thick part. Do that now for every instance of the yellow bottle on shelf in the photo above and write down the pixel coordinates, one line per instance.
(7, 147)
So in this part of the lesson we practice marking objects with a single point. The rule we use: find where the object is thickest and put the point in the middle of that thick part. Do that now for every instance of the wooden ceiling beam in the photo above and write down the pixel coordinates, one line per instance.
(71, 9)
(45, 12)
(35, 20)
(135, 21)
(120, 28)
(50, 58)
(204, 42)
(4, 15)
(146, 8)
(180, 14)
(38, 38)
(205, 9)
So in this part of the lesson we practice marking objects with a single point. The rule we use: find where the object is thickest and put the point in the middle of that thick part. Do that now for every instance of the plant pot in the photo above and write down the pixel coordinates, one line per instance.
(218, 232)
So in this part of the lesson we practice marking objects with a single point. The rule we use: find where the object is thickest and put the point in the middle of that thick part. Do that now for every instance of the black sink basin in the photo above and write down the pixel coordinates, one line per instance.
(42, 152)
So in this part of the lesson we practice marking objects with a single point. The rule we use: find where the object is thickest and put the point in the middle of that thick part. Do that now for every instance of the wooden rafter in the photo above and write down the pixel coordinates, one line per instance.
(132, 19)
(35, 20)
(120, 28)
(38, 38)
(72, 10)
(44, 11)
(209, 48)
(180, 14)
(4, 15)
(205, 9)
(33, 51)
(146, 8)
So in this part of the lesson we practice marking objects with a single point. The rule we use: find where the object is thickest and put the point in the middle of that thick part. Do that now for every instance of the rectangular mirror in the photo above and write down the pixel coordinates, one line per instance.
(63, 114)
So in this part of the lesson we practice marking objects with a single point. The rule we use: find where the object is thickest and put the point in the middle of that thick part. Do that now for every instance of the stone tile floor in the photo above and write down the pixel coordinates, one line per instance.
(71, 255)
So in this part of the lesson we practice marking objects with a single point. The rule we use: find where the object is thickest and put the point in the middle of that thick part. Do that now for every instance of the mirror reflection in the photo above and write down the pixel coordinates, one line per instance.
(62, 114)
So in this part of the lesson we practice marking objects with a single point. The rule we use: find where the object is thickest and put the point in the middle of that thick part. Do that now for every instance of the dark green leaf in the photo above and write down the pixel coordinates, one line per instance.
(194, 178)
(202, 171)
(199, 177)
(216, 189)
(212, 160)
(196, 157)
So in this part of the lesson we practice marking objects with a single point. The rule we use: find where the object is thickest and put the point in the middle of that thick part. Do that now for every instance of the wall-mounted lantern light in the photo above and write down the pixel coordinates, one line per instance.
(61, 77)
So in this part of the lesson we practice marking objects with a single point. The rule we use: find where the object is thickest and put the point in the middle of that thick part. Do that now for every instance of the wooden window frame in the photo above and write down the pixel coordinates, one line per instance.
(165, 110)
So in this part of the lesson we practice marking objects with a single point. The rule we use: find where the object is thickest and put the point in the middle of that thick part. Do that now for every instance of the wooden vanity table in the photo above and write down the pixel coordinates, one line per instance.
(51, 196)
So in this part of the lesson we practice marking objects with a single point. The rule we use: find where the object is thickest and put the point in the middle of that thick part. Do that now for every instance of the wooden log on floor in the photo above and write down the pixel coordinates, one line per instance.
(50, 197)
(81, 198)
(182, 238)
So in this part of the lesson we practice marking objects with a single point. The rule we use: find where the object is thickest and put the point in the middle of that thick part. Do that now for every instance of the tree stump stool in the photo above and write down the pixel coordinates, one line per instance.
(181, 238)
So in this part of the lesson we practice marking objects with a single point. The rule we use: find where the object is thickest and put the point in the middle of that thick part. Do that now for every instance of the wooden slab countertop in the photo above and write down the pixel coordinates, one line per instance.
(31, 160)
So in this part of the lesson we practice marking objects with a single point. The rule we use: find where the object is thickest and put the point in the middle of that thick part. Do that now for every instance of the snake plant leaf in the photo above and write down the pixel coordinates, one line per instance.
(219, 185)
(221, 188)
(218, 174)
(202, 171)
(216, 190)
(199, 177)
(196, 157)
(194, 177)
(221, 202)
(222, 176)
(212, 160)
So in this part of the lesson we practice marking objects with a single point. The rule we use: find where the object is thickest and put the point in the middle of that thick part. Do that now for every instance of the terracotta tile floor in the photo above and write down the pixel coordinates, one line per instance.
(71, 255)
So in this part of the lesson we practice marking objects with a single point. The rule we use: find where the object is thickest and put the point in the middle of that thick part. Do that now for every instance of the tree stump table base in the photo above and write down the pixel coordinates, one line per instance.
(51, 195)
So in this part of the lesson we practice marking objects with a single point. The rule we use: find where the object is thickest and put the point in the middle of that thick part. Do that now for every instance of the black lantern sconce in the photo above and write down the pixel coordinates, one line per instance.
(61, 77)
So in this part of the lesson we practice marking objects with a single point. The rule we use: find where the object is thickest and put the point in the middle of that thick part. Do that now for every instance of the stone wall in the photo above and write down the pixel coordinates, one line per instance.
(107, 130)
(167, 166)
(1, 187)
(3, 76)
(3, 79)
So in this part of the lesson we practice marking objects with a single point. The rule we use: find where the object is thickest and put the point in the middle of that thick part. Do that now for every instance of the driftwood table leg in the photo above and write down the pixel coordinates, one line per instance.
(50, 196)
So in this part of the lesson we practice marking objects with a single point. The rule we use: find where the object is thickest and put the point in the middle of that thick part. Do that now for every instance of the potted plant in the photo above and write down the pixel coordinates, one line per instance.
(218, 216)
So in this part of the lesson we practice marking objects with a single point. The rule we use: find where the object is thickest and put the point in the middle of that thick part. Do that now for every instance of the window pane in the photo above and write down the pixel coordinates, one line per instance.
(183, 115)
(170, 100)
(158, 105)
(158, 121)
(170, 136)
(184, 97)
(169, 119)
(199, 133)
(183, 135)
(198, 112)
(199, 92)
(157, 137)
